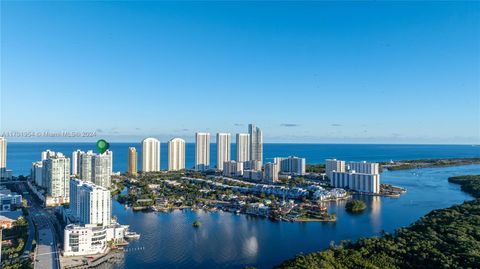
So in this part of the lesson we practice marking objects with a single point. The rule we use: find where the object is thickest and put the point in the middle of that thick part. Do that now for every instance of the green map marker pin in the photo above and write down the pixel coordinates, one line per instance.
(102, 146)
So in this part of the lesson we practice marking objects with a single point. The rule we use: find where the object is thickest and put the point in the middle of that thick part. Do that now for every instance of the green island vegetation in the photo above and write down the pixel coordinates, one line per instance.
(164, 191)
(12, 251)
(196, 224)
(445, 238)
(469, 184)
(315, 168)
(411, 164)
(355, 206)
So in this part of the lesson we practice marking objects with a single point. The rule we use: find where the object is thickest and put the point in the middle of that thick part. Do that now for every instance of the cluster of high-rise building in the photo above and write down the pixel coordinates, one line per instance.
(358, 176)
(54, 171)
(92, 226)
(248, 161)
(249, 148)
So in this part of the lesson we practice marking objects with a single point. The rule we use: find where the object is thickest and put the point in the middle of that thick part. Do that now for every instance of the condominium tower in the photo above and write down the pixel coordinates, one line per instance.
(132, 161)
(76, 162)
(202, 151)
(243, 147)
(90, 203)
(223, 149)
(176, 154)
(334, 165)
(56, 173)
(96, 168)
(256, 143)
(3, 157)
(150, 155)
(102, 169)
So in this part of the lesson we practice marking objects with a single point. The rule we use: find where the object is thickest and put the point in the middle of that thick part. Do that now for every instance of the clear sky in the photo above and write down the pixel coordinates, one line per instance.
(335, 72)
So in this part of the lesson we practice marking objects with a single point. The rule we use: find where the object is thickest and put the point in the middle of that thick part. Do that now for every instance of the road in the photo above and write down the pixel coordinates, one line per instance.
(46, 254)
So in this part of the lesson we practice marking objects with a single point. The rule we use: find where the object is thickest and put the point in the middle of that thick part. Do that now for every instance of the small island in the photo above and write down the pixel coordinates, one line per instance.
(355, 206)
(196, 224)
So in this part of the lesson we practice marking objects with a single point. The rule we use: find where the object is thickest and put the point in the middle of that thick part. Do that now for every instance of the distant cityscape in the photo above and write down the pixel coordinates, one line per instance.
(84, 182)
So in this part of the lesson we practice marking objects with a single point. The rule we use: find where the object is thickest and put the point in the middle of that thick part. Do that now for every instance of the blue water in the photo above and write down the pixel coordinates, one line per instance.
(21, 155)
(226, 240)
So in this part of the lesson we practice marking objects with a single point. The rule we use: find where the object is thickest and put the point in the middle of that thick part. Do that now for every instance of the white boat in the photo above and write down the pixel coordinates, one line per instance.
(132, 235)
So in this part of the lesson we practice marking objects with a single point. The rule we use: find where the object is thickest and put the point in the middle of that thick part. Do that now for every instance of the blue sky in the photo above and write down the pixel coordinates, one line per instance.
(332, 72)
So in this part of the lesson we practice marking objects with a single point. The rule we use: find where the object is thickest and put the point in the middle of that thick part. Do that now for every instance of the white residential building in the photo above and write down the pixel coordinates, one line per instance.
(85, 166)
(271, 171)
(364, 167)
(232, 169)
(334, 165)
(96, 168)
(90, 239)
(176, 154)
(3, 158)
(291, 165)
(223, 149)
(253, 165)
(202, 151)
(368, 183)
(56, 173)
(9, 200)
(76, 162)
(256, 143)
(102, 169)
(243, 147)
(150, 155)
(36, 174)
(90, 203)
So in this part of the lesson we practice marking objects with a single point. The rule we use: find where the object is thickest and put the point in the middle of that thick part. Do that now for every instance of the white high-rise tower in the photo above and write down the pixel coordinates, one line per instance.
(256, 143)
(176, 154)
(223, 149)
(76, 162)
(150, 155)
(102, 169)
(3, 157)
(202, 151)
(243, 148)
(56, 173)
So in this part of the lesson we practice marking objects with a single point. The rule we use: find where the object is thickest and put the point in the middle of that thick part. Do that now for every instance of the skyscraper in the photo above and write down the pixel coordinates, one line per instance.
(292, 165)
(56, 173)
(202, 151)
(3, 157)
(96, 168)
(364, 167)
(176, 154)
(256, 143)
(132, 161)
(76, 162)
(36, 174)
(223, 149)
(270, 174)
(90, 203)
(150, 155)
(243, 147)
(332, 165)
(102, 169)
(85, 168)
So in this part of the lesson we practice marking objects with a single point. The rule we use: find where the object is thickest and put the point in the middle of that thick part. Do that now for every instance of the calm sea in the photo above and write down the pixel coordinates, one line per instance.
(21, 155)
